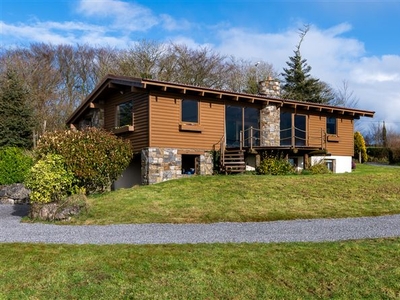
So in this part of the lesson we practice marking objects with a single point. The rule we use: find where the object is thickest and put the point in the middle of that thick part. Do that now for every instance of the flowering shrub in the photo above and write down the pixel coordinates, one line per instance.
(275, 166)
(48, 180)
(14, 165)
(94, 156)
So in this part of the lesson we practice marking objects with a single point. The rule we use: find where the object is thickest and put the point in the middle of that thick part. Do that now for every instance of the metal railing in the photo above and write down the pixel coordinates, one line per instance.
(298, 137)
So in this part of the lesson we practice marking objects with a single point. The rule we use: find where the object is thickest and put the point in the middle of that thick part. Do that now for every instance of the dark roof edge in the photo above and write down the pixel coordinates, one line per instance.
(130, 81)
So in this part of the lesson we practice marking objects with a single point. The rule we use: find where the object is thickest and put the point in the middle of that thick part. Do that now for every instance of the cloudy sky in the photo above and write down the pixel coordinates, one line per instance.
(354, 41)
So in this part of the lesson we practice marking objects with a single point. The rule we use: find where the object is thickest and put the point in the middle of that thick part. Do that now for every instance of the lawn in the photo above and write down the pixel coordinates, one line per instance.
(368, 191)
(362, 269)
(366, 269)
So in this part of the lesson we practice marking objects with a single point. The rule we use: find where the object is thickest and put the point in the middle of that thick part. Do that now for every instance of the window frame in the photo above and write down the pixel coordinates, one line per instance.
(190, 120)
(118, 118)
(331, 125)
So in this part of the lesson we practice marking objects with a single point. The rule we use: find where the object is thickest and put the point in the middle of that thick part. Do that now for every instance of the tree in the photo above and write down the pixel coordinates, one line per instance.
(16, 120)
(384, 135)
(344, 97)
(298, 83)
(359, 146)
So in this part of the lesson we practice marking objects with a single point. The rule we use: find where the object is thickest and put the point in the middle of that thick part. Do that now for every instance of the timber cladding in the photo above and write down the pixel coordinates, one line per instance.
(340, 144)
(139, 137)
(167, 129)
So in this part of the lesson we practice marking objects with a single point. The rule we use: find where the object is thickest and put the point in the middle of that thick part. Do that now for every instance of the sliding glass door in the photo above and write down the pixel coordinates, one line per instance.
(293, 129)
(239, 119)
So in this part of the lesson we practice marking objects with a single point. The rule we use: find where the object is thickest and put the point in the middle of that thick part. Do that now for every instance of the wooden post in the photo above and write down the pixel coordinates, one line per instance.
(241, 140)
(305, 163)
(251, 137)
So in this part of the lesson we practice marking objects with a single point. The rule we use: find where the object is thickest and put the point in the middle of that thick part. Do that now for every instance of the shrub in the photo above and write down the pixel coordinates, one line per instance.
(94, 156)
(48, 180)
(319, 168)
(378, 154)
(15, 164)
(275, 166)
(359, 146)
(394, 156)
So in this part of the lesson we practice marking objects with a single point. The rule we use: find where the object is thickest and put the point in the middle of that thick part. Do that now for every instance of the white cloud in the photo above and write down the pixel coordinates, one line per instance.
(333, 58)
(38, 32)
(123, 15)
(170, 24)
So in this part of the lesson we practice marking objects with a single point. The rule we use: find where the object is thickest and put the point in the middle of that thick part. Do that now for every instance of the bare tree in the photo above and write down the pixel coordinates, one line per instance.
(344, 96)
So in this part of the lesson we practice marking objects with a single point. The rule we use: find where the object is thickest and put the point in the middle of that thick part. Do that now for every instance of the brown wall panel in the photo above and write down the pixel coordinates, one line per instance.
(140, 136)
(166, 120)
(340, 144)
(345, 134)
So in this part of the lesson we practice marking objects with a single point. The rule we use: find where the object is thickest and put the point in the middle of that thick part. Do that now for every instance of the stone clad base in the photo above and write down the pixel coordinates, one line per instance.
(162, 164)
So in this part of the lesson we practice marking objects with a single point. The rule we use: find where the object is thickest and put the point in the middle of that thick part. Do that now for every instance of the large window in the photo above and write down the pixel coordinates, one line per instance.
(240, 119)
(124, 114)
(331, 126)
(293, 129)
(190, 111)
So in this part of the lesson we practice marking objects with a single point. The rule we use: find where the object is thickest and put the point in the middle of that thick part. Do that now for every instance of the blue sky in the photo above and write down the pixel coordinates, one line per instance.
(355, 41)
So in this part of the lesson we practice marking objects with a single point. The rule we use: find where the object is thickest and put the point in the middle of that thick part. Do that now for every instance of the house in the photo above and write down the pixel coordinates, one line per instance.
(176, 129)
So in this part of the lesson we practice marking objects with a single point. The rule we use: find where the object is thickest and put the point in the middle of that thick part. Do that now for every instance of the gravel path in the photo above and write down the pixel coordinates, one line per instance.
(11, 230)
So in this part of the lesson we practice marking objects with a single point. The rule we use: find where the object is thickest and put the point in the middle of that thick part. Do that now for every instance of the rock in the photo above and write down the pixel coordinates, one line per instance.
(64, 210)
(14, 194)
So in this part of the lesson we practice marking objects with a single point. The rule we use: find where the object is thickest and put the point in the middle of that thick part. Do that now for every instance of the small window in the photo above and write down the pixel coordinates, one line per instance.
(331, 126)
(124, 114)
(330, 164)
(190, 111)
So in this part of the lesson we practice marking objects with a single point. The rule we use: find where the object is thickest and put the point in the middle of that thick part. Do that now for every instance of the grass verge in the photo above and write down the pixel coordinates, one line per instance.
(346, 270)
(368, 191)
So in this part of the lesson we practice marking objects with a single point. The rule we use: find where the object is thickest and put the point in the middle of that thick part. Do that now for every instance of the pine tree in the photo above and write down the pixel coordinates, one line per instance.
(384, 135)
(298, 83)
(16, 121)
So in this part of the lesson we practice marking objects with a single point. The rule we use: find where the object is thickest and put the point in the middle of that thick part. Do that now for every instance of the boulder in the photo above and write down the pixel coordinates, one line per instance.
(14, 194)
(56, 211)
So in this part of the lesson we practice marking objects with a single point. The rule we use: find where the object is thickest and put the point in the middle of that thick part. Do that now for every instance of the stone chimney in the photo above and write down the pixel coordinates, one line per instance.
(270, 87)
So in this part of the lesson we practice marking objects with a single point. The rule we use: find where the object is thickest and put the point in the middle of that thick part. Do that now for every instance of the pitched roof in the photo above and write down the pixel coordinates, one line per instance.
(135, 84)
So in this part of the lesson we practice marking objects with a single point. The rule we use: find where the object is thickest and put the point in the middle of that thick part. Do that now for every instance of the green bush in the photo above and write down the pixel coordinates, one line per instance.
(94, 156)
(359, 146)
(48, 180)
(275, 166)
(378, 154)
(319, 168)
(15, 164)
(394, 156)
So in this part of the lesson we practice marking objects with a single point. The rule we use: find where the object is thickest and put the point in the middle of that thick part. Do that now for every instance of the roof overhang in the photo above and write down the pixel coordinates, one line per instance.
(148, 85)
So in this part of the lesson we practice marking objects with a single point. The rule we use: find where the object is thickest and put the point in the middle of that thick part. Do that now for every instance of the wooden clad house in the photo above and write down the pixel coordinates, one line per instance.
(176, 129)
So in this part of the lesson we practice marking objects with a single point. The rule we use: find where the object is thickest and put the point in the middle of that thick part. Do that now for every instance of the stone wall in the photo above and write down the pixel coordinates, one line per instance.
(270, 126)
(162, 164)
(270, 87)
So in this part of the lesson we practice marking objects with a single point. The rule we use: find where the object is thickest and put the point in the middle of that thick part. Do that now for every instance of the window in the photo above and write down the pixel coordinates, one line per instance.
(331, 127)
(190, 111)
(330, 164)
(124, 114)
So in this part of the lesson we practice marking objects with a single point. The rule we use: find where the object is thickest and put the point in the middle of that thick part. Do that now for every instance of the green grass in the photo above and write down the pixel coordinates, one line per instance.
(367, 269)
(368, 191)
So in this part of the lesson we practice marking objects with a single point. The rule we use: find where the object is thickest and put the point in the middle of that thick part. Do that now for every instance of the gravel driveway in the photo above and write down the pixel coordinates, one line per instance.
(11, 230)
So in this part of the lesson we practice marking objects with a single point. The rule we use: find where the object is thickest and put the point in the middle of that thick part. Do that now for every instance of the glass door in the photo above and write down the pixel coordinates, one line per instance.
(233, 124)
(239, 119)
(300, 130)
